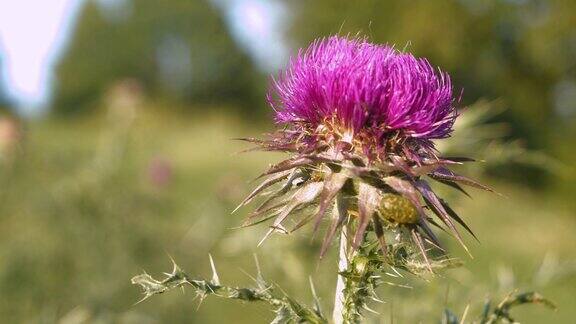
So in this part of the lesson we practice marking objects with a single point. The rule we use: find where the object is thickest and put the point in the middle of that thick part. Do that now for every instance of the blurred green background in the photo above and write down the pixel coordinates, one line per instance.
(132, 159)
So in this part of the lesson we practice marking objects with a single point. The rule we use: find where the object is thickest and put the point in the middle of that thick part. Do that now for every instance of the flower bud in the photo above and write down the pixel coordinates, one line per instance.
(397, 209)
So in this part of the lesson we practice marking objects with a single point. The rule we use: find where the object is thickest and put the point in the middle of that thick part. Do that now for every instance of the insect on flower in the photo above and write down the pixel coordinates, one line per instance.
(359, 120)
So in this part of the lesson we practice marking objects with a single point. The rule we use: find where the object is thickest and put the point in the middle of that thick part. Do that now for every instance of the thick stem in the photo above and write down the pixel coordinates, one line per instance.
(339, 298)
(358, 282)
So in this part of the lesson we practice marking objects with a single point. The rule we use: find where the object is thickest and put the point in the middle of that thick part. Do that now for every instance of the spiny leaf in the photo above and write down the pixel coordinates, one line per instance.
(268, 212)
(401, 165)
(434, 203)
(379, 231)
(297, 176)
(501, 313)
(445, 174)
(302, 196)
(317, 306)
(418, 240)
(332, 185)
(338, 217)
(299, 161)
(151, 286)
(288, 164)
(265, 184)
(428, 232)
(287, 309)
(457, 218)
(458, 159)
(368, 200)
(453, 185)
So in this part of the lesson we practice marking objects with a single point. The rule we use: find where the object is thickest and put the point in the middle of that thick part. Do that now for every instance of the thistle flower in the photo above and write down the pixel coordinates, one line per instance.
(364, 87)
(359, 120)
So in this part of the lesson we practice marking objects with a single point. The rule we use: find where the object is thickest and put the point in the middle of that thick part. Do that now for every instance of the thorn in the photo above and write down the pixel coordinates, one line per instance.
(397, 285)
(418, 240)
(376, 299)
(396, 271)
(236, 209)
(466, 249)
(257, 262)
(259, 277)
(215, 278)
(370, 310)
(248, 275)
(270, 231)
(465, 314)
(314, 295)
(202, 297)
(141, 300)
(312, 288)
(175, 267)
(281, 229)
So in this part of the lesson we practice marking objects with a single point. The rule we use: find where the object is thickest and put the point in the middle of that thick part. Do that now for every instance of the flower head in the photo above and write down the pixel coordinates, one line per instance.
(364, 88)
(359, 120)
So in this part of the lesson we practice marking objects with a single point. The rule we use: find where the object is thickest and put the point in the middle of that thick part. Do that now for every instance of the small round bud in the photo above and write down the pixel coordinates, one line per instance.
(398, 209)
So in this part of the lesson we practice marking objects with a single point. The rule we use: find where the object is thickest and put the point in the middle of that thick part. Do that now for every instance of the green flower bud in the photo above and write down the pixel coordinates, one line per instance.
(398, 209)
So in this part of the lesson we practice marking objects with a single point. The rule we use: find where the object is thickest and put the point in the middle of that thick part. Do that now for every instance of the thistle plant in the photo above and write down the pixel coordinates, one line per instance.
(359, 122)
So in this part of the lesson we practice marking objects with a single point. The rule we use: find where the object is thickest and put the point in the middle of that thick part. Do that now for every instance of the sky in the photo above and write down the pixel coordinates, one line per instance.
(33, 33)
(259, 26)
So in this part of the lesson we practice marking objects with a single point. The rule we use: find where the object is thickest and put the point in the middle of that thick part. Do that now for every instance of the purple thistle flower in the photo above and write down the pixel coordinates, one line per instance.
(359, 123)
(365, 87)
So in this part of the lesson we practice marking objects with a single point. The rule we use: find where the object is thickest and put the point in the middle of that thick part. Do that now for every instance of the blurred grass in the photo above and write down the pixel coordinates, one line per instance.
(85, 205)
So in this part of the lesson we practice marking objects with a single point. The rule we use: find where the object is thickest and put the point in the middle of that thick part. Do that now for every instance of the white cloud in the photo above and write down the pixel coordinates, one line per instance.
(32, 33)
(259, 26)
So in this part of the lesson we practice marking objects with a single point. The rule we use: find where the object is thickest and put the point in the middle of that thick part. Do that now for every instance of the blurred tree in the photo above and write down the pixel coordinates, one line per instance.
(178, 50)
(519, 51)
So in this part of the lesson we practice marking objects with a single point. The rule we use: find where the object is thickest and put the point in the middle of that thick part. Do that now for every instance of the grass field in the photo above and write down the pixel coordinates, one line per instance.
(87, 204)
